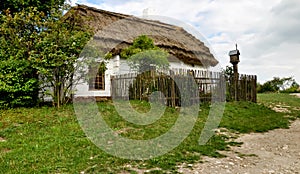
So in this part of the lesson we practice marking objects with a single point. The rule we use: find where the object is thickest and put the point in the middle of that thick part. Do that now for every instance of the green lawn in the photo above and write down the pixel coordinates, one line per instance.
(50, 140)
(285, 101)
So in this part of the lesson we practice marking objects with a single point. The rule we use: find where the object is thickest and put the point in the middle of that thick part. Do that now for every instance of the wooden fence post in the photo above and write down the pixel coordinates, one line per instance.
(141, 86)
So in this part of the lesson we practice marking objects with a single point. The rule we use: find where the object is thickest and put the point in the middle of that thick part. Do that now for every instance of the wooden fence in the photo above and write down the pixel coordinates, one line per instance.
(244, 90)
(179, 87)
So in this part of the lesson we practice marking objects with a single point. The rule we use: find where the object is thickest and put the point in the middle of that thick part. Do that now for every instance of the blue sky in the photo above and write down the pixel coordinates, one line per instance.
(267, 31)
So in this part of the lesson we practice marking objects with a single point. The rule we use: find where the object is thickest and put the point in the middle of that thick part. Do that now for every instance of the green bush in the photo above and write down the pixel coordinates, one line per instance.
(284, 85)
(292, 89)
(18, 84)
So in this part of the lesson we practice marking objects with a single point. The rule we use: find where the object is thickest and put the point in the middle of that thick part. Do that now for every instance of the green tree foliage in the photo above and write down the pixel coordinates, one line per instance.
(294, 88)
(38, 51)
(18, 80)
(56, 56)
(286, 84)
(143, 55)
(228, 72)
(44, 6)
(140, 44)
(149, 60)
(17, 86)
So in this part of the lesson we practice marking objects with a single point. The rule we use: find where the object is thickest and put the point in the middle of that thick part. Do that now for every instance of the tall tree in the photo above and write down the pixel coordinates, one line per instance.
(56, 55)
(18, 80)
(35, 50)
(44, 6)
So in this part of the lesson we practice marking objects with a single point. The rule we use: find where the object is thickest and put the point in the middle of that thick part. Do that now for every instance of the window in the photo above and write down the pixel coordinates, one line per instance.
(96, 82)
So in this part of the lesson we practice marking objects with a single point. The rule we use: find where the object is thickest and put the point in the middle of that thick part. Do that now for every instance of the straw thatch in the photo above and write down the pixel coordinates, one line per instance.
(116, 31)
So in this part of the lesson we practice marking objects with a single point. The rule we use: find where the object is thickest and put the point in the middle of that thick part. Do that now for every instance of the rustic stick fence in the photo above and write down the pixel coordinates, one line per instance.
(245, 88)
(203, 86)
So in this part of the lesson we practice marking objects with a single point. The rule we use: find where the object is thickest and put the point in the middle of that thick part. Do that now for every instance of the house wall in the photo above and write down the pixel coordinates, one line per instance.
(118, 66)
(181, 65)
(82, 89)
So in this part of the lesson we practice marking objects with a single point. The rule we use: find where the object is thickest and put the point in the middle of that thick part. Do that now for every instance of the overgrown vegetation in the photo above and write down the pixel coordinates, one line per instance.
(143, 55)
(44, 6)
(18, 79)
(37, 47)
(56, 56)
(228, 72)
(285, 85)
(49, 140)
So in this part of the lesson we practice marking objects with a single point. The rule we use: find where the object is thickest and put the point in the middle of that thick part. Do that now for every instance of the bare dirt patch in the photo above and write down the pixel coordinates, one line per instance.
(2, 139)
(5, 150)
(281, 108)
(296, 94)
(277, 151)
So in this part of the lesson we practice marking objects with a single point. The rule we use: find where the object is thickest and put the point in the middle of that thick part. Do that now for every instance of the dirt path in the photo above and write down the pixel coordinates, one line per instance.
(276, 151)
(296, 94)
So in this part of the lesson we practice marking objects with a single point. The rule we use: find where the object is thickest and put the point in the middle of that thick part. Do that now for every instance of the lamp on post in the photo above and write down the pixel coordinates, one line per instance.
(234, 60)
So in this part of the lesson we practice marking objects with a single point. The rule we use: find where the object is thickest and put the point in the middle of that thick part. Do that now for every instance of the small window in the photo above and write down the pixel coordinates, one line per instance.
(97, 82)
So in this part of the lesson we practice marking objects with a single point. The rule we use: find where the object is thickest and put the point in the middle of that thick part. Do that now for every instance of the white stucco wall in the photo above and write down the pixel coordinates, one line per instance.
(118, 66)
(82, 89)
(181, 65)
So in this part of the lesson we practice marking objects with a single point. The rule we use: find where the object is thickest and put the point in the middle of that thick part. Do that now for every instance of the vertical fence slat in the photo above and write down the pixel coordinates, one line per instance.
(141, 86)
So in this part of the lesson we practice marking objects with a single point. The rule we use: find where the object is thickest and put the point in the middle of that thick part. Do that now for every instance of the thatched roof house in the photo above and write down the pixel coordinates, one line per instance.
(116, 31)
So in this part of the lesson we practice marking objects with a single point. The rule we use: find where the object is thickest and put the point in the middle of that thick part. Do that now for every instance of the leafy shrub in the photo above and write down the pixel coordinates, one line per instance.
(285, 85)
(18, 86)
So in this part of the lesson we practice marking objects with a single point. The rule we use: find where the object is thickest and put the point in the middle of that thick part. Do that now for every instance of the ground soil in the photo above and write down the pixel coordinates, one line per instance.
(276, 151)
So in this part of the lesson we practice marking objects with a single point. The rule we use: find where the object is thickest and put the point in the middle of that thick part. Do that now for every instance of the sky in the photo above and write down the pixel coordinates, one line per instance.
(267, 31)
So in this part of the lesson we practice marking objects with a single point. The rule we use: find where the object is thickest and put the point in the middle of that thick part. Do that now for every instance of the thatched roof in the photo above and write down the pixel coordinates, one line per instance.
(116, 31)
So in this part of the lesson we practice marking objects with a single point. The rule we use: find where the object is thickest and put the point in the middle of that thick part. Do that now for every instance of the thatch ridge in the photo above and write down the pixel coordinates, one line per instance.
(116, 31)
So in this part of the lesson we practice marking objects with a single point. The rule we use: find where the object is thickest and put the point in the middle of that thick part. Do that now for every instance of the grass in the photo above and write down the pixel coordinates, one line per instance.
(246, 117)
(50, 140)
(289, 102)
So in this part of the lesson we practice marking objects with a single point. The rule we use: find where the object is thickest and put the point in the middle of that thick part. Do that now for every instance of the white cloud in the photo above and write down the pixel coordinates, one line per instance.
(265, 30)
(74, 2)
